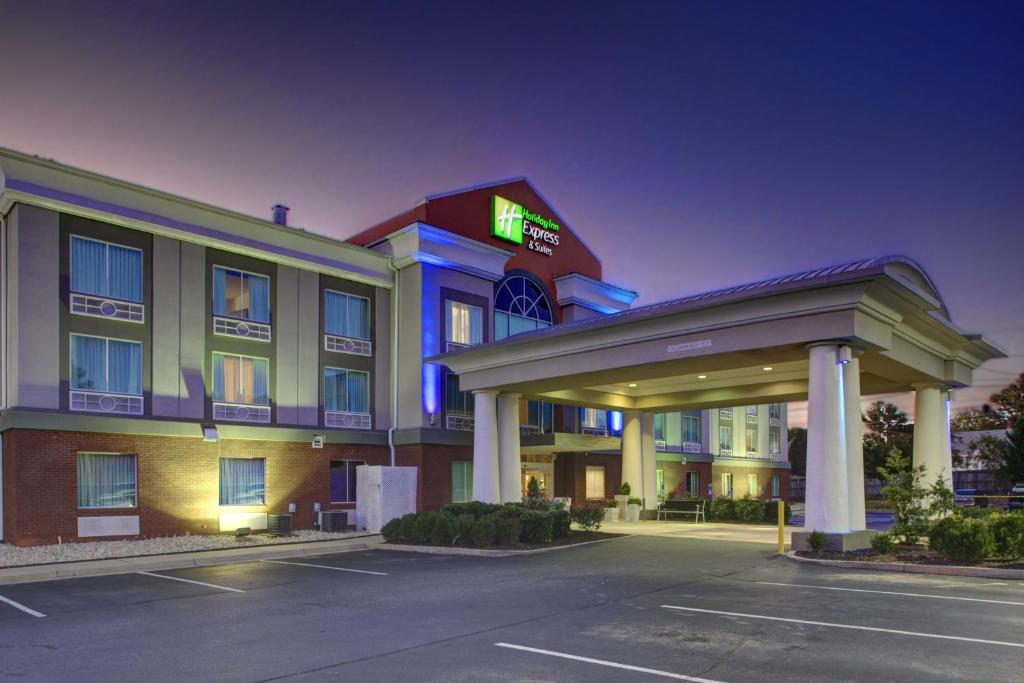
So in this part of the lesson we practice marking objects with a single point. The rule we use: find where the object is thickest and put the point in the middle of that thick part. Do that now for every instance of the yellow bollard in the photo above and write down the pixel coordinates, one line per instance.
(782, 528)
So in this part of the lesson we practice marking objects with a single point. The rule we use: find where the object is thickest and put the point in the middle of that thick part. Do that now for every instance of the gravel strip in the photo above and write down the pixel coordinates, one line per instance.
(12, 556)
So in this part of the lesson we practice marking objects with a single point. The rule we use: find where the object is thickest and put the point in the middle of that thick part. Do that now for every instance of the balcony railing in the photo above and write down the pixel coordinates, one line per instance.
(774, 421)
(353, 345)
(104, 402)
(454, 346)
(347, 420)
(103, 307)
(725, 413)
(685, 447)
(462, 422)
(240, 412)
(594, 431)
(247, 329)
(692, 447)
(751, 419)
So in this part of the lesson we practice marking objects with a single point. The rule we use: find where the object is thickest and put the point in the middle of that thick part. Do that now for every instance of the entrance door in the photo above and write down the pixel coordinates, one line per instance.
(545, 475)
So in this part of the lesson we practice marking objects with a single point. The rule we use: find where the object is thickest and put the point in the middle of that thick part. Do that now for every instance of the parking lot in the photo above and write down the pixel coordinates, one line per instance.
(637, 608)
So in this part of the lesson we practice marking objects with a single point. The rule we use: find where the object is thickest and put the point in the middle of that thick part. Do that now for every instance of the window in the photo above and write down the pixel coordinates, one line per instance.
(106, 365)
(776, 481)
(463, 324)
(693, 483)
(538, 415)
(346, 391)
(456, 401)
(106, 269)
(519, 306)
(240, 379)
(346, 315)
(725, 437)
(659, 427)
(691, 429)
(775, 410)
(774, 442)
(727, 484)
(243, 481)
(752, 489)
(752, 440)
(595, 482)
(592, 418)
(237, 294)
(106, 481)
(661, 483)
(343, 480)
(752, 410)
(462, 481)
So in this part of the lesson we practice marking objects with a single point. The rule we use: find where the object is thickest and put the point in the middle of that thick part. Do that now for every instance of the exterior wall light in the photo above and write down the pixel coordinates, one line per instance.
(702, 376)
(845, 355)
(210, 434)
(768, 368)
(632, 384)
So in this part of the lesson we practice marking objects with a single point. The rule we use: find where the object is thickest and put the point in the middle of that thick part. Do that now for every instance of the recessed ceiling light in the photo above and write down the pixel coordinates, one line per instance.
(767, 369)
(632, 384)
(702, 376)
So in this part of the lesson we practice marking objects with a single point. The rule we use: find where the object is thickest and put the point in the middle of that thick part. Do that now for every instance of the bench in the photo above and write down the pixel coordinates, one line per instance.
(682, 507)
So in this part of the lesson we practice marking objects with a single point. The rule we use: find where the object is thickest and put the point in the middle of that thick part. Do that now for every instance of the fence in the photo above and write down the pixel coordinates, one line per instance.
(980, 480)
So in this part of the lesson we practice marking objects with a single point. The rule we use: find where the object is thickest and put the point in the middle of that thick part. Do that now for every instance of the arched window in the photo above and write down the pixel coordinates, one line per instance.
(519, 306)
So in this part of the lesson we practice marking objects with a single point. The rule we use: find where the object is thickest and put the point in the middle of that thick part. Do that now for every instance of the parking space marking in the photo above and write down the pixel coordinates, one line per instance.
(847, 626)
(23, 608)
(198, 583)
(604, 662)
(326, 566)
(913, 595)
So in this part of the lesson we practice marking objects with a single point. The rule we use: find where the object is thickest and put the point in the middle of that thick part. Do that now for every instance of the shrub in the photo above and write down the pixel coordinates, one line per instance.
(771, 512)
(905, 492)
(538, 527)
(423, 526)
(515, 510)
(509, 530)
(749, 510)
(882, 543)
(588, 517)
(722, 509)
(392, 531)
(961, 540)
(464, 528)
(485, 531)
(634, 501)
(816, 541)
(612, 503)
(624, 489)
(407, 526)
(535, 498)
(473, 507)
(976, 513)
(1008, 534)
(443, 532)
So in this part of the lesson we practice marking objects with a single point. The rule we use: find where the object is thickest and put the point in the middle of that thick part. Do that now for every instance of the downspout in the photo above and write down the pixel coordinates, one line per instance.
(393, 360)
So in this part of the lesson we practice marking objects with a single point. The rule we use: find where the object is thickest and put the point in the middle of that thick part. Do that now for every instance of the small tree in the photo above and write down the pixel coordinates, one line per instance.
(886, 427)
(905, 492)
(941, 499)
(535, 498)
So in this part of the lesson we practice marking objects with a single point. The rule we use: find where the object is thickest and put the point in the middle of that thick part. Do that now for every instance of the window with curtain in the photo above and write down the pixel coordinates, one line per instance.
(343, 480)
(774, 442)
(519, 306)
(752, 410)
(243, 481)
(462, 481)
(593, 418)
(659, 426)
(725, 437)
(751, 441)
(691, 429)
(106, 365)
(463, 323)
(776, 481)
(775, 410)
(346, 390)
(106, 480)
(106, 269)
(752, 489)
(237, 294)
(595, 482)
(456, 401)
(346, 315)
(726, 484)
(693, 483)
(241, 379)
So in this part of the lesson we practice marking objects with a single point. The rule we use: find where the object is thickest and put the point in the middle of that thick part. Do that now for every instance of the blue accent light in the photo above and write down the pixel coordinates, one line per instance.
(615, 421)
(431, 372)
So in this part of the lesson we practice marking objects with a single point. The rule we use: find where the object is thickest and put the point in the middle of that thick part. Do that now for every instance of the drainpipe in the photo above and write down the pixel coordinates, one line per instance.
(394, 360)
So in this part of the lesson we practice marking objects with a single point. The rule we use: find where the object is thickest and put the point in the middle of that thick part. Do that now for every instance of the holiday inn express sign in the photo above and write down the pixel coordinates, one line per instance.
(514, 223)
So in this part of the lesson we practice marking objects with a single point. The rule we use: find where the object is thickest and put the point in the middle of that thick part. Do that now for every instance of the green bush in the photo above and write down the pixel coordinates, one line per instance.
(473, 507)
(443, 532)
(408, 521)
(1008, 534)
(771, 512)
(485, 531)
(976, 513)
(635, 501)
(961, 540)
(392, 531)
(883, 543)
(509, 530)
(561, 523)
(722, 509)
(588, 517)
(816, 541)
(749, 510)
(423, 526)
(624, 489)
(515, 510)
(464, 528)
(611, 503)
(538, 527)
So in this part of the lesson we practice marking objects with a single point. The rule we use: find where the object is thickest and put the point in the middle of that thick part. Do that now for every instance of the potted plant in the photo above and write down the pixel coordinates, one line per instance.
(621, 499)
(633, 507)
(611, 511)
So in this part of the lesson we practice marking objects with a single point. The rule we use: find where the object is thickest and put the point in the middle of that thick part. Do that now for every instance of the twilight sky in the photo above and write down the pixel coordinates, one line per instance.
(693, 145)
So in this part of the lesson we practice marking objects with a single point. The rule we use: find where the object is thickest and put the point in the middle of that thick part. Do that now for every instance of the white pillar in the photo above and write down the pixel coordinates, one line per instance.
(854, 443)
(510, 461)
(648, 463)
(632, 451)
(827, 507)
(931, 432)
(485, 447)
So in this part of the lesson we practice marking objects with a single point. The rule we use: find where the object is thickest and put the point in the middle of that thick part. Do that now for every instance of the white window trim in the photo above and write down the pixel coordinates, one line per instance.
(240, 355)
(447, 314)
(106, 364)
(135, 463)
(604, 481)
(241, 505)
(347, 370)
(251, 274)
(369, 316)
(71, 266)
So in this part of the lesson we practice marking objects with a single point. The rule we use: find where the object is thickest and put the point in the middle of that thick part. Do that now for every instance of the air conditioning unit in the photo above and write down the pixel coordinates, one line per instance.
(279, 525)
(334, 520)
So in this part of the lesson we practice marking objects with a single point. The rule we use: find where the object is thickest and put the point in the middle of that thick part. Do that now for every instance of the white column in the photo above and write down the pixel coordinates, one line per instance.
(854, 443)
(648, 463)
(510, 461)
(632, 451)
(485, 447)
(827, 507)
(931, 431)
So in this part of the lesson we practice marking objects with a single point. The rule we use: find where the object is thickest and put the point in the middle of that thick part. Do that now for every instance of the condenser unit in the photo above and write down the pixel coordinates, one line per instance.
(334, 520)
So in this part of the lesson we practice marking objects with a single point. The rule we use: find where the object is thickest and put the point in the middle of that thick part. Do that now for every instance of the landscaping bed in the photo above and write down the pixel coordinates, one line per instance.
(909, 554)
(574, 538)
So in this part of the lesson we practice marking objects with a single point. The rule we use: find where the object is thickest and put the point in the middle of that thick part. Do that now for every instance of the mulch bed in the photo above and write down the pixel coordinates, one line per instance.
(911, 554)
(574, 538)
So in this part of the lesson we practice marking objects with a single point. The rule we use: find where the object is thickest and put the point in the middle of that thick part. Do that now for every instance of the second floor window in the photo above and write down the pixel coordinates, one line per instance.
(774, 442)
(593, 418)
(346, 391)
(346, 315)
(105, 269)
(691, 429)
(456, 401)
(725, 437)
(242, 380)
(241, 295)
(463, 324)
(774, 410)
(106, 365)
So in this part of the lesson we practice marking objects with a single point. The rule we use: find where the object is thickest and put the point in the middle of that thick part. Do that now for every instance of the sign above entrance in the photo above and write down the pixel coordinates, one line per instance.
(514, 223)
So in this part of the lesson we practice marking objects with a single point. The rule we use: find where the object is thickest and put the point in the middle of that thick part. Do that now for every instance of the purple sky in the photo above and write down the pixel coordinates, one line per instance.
(693, 144)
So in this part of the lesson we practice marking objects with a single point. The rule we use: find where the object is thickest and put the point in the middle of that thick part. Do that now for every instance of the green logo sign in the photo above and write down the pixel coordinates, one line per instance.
(506, 219)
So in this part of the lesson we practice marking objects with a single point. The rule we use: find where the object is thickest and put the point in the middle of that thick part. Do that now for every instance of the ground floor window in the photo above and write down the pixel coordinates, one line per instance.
(726, 484)
(595, 482)
(693, 483)
(661, 483)
(243, 481)
(776, 485)
(106, 480)
(462, 481)
(752, 489)
(343, 480)
(691, 429)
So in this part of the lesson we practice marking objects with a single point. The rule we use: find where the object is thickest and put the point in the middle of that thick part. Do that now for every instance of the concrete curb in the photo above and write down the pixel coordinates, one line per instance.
(909, 568)
(482, 552)
(200, 558)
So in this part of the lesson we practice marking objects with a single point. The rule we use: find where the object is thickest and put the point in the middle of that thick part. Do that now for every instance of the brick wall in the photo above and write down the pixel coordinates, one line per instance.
(434, 481)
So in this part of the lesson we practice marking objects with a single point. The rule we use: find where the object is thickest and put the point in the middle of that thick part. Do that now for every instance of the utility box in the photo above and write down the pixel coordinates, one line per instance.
(382, 494)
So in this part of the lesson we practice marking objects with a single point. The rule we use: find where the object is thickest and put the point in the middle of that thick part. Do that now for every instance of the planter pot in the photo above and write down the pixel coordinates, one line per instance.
(621, 501)
(611, 515)
(633, 513)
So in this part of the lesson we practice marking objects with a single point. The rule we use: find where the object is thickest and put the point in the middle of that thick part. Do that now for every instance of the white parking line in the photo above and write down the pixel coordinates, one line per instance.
(603, 662)
(325, 566)
(847, 626)
(913, 595)
(18, 605)
(198, 583)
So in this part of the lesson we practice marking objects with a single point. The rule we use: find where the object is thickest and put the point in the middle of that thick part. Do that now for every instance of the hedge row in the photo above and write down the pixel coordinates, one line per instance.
(746, 510)
(480, 524)
(970, 538)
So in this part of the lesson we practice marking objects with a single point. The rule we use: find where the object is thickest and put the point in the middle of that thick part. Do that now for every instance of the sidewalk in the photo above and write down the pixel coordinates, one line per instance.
(718, 531)
(149, 563)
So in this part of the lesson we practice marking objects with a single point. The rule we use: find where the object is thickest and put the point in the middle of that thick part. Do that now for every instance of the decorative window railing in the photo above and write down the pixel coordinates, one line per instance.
(454, 346)
(751, 419)
(230, 327)
(353, 345)
(594, 431)
(725, 452)
(238, 412)
(725, 413)
(774, 421)
(105, 402)
(459, 421)
(347, 420)
(103, 307)
(690, 447)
